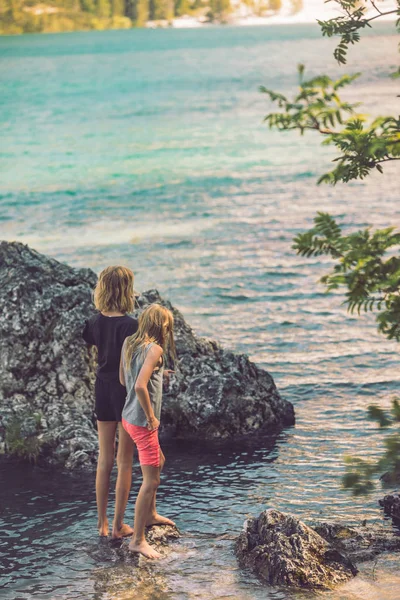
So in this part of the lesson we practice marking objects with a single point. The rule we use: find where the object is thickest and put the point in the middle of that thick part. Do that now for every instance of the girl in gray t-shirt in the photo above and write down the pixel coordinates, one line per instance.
(141, 371)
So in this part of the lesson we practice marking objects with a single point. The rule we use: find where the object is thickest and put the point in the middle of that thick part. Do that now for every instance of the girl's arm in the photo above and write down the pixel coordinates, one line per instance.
(121, 366)
(121, 371)
(150, 363)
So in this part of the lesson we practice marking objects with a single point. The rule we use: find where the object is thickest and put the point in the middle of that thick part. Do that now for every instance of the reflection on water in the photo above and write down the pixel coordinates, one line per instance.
(50, 550)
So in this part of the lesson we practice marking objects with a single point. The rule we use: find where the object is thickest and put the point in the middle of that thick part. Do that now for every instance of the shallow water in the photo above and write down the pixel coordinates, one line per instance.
(147, 147)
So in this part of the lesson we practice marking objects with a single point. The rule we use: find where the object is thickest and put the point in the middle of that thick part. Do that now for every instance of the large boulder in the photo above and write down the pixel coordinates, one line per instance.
(282, 550)
(47, 372)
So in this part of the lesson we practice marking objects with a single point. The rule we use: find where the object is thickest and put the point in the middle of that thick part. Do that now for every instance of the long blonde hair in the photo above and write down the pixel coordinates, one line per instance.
(156, 324)
(114, 290)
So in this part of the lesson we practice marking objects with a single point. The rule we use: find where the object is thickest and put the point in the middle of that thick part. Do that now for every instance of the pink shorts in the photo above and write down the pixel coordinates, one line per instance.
(147, 443)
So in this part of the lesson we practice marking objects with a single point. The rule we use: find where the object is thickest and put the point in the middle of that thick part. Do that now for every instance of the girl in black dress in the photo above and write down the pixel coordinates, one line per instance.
(107, 330)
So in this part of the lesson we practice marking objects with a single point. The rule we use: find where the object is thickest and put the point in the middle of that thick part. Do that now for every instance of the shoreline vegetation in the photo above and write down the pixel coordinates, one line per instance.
(56, 16)
(53, 16)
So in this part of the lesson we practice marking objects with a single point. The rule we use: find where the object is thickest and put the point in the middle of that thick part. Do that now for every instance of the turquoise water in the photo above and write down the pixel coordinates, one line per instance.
(148, 148)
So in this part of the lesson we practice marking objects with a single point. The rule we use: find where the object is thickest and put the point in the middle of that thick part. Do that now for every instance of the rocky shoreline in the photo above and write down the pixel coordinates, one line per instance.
(278, 548)
(47, 372)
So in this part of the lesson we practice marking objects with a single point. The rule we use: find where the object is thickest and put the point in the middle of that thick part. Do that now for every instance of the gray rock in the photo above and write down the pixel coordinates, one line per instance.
(47, 373)
(45, 369)
(360, 543)
(282, 550)
(391, 505)
(160, 536)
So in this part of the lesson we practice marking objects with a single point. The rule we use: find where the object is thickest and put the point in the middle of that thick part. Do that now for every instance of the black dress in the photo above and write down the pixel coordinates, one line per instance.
(108, 335)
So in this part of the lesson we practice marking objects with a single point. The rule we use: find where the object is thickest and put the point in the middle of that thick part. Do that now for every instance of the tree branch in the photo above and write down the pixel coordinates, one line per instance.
(376, 8)
(386, 159)
(381, 14)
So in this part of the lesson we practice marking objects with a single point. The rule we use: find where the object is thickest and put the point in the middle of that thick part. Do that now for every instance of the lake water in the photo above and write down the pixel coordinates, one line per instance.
(148, 148)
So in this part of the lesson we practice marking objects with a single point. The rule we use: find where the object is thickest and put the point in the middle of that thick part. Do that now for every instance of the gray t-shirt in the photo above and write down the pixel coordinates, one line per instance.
(133, 412)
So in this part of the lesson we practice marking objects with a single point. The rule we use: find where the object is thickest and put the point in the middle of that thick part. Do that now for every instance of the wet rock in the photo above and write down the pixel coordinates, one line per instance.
(161, 535)
(360, 543)
(133, 576)
(47, 372)
(282, 550)
(391, 505)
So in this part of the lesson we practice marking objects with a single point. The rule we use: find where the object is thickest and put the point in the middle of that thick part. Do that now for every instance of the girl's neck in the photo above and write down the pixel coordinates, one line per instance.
(112, 313)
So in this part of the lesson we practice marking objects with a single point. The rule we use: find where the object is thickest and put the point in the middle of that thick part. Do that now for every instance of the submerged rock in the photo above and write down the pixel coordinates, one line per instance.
(161, 535)
(47, 372)
(132, 576)
(391, 505)
(282, 550)
(360, 543)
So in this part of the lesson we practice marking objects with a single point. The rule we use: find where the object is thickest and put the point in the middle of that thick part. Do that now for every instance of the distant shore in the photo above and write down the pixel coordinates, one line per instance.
(42, 18)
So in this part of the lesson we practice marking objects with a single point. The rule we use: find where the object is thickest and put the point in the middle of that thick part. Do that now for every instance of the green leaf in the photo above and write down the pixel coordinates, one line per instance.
(375, 413)
(396, 409)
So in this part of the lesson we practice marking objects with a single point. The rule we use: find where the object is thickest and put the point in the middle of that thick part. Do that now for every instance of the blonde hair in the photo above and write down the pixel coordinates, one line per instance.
(114, 290)
(156, 324)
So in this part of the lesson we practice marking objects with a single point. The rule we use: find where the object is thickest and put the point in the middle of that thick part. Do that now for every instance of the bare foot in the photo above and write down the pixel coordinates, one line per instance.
(159, 520)
(144, 548)
(123, 531)
(103, 528)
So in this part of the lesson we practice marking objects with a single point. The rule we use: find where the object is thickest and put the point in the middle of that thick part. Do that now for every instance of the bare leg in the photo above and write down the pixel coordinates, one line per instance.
(124, 462)
(154, 518)
(106, 431)
(151, 481)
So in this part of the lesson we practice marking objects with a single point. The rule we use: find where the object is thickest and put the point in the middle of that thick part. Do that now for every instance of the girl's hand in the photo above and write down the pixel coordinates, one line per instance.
(167, 374)
(153, 424)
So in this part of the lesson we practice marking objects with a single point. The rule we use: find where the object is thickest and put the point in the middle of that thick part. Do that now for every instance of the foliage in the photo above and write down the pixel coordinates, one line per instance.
(118, 8)
(317, 106)
(367, 263)
(365, 266)
(142, 12)
(363, 145)
(103, 9)
(354, 18)
(138, 11)
(31, 16)
(20, 443)
(182, 7)
(360, 474)
(161, 10)
(219, 9)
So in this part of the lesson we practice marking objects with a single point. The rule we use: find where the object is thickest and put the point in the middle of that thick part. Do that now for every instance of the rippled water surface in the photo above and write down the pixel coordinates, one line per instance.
(148, 148)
